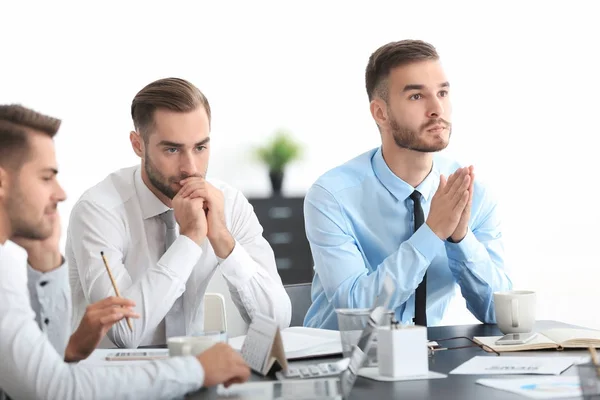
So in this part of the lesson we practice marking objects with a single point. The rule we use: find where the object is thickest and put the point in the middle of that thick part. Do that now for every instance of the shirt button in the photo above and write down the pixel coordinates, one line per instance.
(43, 283)
(46, 321)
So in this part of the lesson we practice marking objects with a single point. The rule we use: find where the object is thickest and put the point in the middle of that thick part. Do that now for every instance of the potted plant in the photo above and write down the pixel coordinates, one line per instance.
(277, 153)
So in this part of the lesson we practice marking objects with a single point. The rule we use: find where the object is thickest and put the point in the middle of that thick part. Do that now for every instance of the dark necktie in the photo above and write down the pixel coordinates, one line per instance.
(421, 292)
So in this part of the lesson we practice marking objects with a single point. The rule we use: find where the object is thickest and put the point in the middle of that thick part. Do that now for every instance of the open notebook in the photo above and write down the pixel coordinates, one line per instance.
(558, 338)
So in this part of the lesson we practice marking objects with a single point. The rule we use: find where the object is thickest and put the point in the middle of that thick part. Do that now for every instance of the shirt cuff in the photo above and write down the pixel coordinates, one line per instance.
(196, 370)
(181, 256)
(238, 267)
(426, 242)
(463, 250)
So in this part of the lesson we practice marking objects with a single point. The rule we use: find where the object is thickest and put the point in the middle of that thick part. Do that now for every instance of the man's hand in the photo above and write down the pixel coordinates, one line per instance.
(214, 206)
(43, 255)
(224, 365)
(98, 319)
(449, 202)
(463, 225)
(190, 215)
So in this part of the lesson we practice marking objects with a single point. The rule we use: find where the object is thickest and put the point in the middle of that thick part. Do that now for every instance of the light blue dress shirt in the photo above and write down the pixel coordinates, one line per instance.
(360, 225)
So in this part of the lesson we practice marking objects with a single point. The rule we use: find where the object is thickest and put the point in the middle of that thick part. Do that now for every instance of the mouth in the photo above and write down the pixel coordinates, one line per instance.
(436, 129)
(52, 210)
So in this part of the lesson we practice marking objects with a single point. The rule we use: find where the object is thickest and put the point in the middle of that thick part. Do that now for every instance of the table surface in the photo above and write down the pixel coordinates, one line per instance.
(454, 386)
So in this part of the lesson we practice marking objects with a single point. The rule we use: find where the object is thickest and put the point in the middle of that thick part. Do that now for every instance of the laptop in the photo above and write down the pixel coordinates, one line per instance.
(320, 381)
(346, 370)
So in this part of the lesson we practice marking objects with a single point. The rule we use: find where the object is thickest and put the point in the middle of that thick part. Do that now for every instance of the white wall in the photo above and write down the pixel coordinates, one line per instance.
(525, 93)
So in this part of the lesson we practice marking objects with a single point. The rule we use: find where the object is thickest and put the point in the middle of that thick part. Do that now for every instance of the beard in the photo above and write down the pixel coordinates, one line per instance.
(409, 139)
(160, 181)
(20, 216)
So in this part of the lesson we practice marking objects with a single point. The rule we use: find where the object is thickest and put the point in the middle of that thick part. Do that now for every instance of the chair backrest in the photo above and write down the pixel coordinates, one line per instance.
(301, 301)
(236, 325)
(215, 316)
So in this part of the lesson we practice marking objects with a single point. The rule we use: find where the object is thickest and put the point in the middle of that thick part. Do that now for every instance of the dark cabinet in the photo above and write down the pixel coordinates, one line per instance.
(282, 219)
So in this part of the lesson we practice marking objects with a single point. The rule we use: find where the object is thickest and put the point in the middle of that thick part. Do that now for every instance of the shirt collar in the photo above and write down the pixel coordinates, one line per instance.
(150, 204)
(396, 186)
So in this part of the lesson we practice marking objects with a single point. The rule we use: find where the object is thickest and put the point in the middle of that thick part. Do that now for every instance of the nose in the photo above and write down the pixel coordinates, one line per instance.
(435, 108)
(60, 194)
(187, 167)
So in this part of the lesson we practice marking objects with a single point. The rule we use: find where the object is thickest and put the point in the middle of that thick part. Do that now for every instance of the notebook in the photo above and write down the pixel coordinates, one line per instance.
(557, 338)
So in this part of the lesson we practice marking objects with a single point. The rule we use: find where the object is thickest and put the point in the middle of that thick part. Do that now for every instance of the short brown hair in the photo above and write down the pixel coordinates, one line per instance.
(172, 94)
(390, 56)
(16, 122)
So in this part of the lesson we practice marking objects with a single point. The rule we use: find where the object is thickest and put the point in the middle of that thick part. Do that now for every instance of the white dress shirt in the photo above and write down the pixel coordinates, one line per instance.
(31, 368)
(120, 216)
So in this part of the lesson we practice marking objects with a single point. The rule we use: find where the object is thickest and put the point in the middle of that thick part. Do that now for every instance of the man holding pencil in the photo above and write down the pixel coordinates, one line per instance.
(165, 229)
(32, 367)
(50, 297)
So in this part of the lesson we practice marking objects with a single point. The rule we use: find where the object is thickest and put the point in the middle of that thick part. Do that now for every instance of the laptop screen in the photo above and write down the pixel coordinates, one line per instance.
(358, 354)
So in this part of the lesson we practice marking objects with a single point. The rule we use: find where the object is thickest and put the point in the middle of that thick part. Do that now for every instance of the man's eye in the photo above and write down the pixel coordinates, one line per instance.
(416, 96)
(171, 150)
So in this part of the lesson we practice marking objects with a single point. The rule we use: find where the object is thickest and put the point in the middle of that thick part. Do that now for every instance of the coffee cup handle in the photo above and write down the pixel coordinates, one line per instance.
(186, 350)
(515, 313)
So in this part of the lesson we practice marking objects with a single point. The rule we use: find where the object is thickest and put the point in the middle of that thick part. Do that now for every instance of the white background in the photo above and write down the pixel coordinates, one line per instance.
(525, 91)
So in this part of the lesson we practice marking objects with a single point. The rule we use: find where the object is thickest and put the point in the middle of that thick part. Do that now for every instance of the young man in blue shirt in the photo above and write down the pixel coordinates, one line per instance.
(403, 210)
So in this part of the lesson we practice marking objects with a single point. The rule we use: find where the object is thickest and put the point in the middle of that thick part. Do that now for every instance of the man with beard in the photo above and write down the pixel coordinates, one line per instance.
(164, 228)
(400, 210)
(33, 336)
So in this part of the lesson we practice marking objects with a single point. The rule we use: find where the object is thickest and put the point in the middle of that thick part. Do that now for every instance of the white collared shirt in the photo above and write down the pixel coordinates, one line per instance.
(31, 368)
(120, 216)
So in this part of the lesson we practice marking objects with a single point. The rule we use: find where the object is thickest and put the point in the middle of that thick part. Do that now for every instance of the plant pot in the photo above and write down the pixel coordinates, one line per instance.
(276, 181)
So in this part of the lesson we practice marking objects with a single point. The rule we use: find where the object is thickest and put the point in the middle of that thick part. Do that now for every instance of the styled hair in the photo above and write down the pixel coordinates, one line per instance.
(390, 56)
(173, 94)
(16, 122)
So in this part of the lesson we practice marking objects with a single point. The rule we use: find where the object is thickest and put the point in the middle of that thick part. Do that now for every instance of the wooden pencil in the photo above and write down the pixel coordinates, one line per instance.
(114, 284)
(594, 355)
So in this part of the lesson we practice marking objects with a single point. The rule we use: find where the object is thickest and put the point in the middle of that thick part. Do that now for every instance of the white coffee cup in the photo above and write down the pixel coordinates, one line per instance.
(189, 345)
(515, 311)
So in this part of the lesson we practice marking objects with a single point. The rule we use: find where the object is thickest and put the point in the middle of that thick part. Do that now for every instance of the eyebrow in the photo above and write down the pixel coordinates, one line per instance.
(54, 171)
(167, 143)
(408, 88)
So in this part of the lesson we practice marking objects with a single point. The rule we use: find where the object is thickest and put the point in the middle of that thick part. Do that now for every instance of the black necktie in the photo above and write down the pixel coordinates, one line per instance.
(421, 293)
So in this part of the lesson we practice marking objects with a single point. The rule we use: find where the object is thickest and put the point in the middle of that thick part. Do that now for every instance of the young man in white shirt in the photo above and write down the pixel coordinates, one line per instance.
(31, 367)
(165, 229)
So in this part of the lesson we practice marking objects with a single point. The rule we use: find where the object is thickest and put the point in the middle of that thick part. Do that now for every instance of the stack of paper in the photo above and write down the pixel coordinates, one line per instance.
(300, 342)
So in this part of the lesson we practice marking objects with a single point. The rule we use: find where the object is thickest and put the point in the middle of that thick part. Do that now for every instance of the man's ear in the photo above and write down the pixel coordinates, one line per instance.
(137, 143)
(3, 182)
(378, 109)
